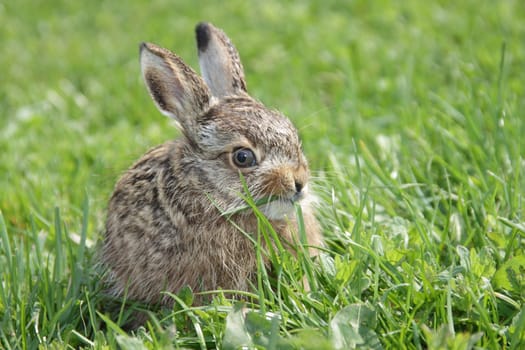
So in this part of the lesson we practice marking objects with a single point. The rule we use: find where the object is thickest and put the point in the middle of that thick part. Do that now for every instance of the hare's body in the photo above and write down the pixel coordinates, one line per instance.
(165, 239)
(165, 226)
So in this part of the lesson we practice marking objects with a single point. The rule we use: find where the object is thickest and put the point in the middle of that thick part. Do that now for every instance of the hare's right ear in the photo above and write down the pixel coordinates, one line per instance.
(219, 60)
(175, 88)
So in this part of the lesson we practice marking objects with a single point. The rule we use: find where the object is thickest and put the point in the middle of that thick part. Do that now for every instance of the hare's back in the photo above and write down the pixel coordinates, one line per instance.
(140, 229)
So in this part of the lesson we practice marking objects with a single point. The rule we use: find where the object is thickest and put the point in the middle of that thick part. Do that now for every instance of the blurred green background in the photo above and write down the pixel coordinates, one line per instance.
(74, 112)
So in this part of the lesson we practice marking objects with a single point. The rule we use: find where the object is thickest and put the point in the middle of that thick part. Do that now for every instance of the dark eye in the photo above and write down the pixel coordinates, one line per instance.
(244, 158)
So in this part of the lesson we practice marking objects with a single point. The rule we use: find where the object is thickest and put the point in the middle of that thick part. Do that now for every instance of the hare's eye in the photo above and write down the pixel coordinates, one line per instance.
(244, 158)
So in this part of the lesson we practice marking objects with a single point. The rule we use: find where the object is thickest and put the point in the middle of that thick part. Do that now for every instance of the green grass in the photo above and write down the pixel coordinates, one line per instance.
(411, 114)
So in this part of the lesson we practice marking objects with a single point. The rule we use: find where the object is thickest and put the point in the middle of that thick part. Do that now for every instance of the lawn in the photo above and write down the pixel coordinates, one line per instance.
(411, 116)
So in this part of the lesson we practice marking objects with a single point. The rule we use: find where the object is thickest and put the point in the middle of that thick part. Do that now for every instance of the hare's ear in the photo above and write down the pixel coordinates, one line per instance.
(176, 89)
(219, 61)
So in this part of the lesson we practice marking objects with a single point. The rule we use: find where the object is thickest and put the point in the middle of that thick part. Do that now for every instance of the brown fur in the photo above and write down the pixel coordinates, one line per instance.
(164, 229)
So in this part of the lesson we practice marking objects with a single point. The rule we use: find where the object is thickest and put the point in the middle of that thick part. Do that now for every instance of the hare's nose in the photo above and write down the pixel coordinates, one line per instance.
(298, 186)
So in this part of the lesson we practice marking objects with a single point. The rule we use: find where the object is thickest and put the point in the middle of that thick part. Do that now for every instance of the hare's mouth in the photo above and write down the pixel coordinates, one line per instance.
(280, 207)
(273, 207)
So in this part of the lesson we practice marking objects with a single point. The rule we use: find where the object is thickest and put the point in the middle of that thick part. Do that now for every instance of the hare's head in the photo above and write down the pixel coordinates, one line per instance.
(227, 133)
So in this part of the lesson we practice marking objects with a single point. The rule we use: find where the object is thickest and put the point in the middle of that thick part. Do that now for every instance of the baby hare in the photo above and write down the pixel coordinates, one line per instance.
(166, 227)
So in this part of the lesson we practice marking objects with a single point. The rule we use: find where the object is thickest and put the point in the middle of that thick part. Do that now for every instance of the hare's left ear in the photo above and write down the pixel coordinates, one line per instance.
(219, 60)
(175, 88)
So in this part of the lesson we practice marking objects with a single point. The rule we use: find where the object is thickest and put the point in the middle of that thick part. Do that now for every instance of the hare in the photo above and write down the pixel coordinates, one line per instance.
(166, 227)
